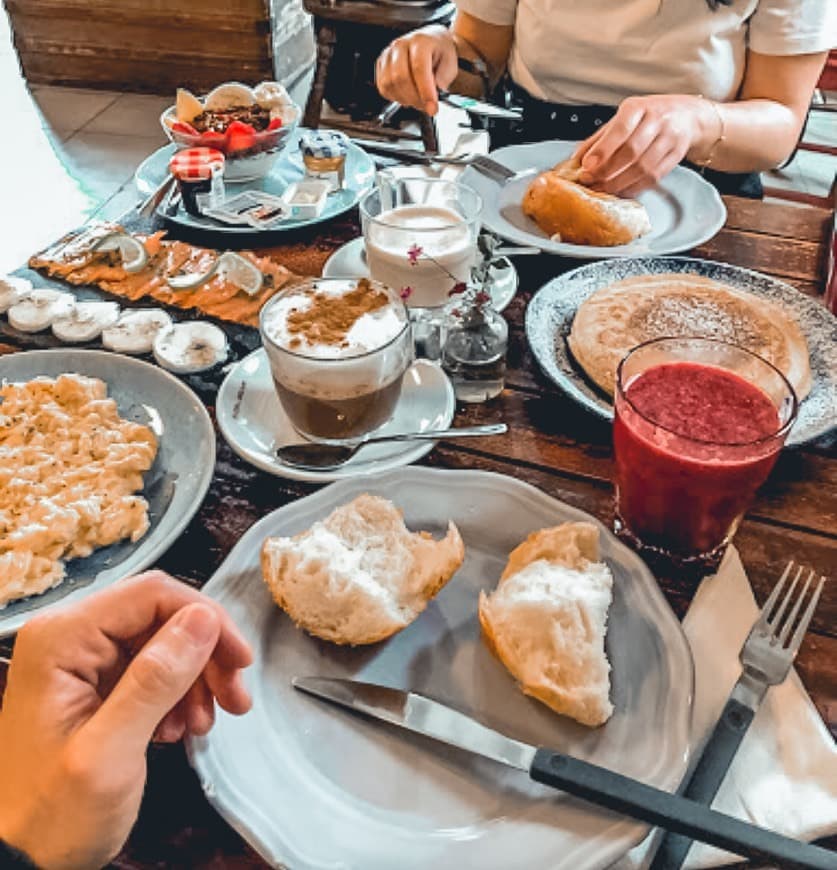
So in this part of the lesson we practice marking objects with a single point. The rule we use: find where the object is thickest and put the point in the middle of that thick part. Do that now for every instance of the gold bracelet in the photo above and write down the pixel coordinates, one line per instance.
(707, 162)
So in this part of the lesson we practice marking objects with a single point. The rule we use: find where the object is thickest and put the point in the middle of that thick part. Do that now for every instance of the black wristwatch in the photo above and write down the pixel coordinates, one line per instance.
(13, 859)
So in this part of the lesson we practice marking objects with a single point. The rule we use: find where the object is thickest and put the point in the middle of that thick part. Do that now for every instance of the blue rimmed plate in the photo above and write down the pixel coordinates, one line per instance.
(360, 175)
(549, 318)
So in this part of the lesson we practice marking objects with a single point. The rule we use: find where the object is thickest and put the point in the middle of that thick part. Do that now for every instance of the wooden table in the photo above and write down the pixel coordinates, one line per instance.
(564, 451)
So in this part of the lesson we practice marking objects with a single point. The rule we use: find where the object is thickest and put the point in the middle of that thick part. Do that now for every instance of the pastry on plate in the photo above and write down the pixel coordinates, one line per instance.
(617, 318)
(567, 211)
(359, 575)
(547, 620)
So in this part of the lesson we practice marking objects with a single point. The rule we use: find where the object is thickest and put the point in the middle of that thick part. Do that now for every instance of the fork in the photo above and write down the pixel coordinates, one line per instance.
(766, 659)
(488, 166)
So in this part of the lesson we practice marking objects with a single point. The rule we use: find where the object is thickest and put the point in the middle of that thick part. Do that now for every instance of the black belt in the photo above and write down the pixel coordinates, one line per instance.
(543, 120)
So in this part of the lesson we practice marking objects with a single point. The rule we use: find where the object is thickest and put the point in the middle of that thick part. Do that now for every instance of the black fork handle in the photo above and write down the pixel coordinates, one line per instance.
(706, 779)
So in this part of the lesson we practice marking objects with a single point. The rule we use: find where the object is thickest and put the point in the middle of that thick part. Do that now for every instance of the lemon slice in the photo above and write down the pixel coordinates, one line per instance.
(187, 107)
(38, 310)
(136, 330)
(12, 291)
(85, 322)
(190, 347)
(191, 280)
(240, 271)
(228, 95)
(134, 255)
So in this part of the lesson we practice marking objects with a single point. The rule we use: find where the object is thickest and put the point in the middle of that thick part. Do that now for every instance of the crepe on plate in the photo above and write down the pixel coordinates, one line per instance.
(359, 575)
(617, 318)
(570, 212)
(547, 620)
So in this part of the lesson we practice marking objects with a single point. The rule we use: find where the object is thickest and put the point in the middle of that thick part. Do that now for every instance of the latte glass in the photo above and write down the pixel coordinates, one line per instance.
(420, 236)
(338, 399)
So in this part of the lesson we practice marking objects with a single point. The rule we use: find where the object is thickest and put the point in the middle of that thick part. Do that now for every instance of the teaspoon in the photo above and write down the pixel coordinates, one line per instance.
(316, 456)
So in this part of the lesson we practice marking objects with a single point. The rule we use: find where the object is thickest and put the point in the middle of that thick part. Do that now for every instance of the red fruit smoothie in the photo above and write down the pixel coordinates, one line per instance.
(693, 443)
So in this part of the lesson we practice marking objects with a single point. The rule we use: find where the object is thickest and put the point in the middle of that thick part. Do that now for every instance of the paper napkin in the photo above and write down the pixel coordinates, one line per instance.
(784, 776)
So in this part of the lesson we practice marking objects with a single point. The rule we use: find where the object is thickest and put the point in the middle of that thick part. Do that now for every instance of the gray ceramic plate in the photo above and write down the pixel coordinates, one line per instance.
(550, 314)
(360, 174)
(684, 209)
(174, 486)
(312, 787)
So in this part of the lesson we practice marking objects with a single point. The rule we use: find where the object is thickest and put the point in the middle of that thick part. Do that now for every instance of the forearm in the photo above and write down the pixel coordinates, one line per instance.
(744, 136)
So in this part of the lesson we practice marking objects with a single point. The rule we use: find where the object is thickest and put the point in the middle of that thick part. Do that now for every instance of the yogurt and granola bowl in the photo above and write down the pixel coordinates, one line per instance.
(250, 126)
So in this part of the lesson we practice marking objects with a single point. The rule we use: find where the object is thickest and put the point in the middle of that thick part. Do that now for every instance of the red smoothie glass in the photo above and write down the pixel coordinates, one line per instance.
(698, 426)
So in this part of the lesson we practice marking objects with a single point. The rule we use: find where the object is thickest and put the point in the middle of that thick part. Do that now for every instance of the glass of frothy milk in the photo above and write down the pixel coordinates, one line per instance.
(338, 350)
(420, 236)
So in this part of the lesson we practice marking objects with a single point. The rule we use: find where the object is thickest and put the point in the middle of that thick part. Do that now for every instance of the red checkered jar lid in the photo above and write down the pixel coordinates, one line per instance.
(193, 164)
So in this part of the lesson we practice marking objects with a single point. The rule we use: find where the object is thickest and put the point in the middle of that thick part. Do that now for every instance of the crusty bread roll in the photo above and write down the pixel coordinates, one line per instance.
(359, 575)
(569, 212)
(547, 619)
(617, 318)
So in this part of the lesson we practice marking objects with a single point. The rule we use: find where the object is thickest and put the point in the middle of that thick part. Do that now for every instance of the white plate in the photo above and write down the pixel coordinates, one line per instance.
(685, 210)
(174, 486)
(314, 788)
(252, 420)
(550, 314)
(349, 261)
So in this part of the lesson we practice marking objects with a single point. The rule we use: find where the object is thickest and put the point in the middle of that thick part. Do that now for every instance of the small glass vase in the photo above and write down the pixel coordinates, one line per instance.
(475, 340)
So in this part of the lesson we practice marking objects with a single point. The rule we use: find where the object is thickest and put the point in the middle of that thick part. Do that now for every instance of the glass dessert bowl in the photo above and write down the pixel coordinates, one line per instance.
(249, 126)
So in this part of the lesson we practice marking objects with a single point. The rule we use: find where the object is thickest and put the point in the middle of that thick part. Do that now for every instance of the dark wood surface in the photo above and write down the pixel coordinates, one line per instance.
(564, 451)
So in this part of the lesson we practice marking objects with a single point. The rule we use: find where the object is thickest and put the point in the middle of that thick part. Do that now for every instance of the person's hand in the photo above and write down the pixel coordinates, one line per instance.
(413, 68)
(642, 143)
(88, 687)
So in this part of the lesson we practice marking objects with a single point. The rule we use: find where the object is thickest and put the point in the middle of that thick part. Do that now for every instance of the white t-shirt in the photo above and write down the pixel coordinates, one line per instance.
(601, 51)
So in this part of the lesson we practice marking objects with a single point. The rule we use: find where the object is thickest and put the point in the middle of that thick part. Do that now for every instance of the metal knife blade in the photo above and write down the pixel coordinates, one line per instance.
(478, 107)
(421, 715)
(597, 785)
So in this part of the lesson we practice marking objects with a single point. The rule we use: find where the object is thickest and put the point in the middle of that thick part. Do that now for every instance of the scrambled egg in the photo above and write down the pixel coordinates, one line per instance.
(69, 468)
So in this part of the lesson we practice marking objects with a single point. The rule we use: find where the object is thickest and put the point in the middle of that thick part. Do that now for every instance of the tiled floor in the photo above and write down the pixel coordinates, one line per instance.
(67, 155)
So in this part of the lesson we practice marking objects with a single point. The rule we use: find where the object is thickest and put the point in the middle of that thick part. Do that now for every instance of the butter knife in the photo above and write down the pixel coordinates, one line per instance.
(592, 783)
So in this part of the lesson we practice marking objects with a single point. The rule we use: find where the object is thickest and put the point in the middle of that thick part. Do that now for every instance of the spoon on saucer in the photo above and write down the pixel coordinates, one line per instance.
(316, 456)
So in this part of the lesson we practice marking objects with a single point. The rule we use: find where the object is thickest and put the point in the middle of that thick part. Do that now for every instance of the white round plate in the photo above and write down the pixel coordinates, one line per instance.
(312, 787)
(685, 210)
(550, 314)
(349, 261)
(254, 424)
(174, 486)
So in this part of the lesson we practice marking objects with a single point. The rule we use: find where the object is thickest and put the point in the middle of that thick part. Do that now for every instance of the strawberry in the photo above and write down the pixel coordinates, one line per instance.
(184, 129)
(213, 139)
(240, 136)
(275, 124)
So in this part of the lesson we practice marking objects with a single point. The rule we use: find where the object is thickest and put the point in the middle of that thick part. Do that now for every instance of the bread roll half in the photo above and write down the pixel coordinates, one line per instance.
(569, 212)
(359, 576)
(547, 620)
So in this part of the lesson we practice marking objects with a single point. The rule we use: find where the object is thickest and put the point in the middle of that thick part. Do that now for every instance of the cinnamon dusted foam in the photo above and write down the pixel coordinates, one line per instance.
(334, 320)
